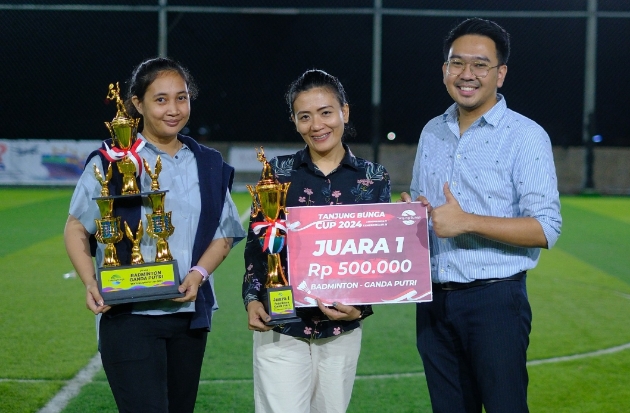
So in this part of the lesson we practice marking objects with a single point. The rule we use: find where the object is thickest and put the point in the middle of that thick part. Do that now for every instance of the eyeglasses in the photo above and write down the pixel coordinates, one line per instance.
(479, 69)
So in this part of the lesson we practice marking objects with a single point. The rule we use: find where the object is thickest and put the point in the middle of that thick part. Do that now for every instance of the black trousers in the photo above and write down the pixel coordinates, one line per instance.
(152, 363)
(473, 343)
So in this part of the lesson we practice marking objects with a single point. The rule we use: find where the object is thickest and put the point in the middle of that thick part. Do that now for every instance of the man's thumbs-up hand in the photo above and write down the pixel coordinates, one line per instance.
(450, 199)
(449, 220)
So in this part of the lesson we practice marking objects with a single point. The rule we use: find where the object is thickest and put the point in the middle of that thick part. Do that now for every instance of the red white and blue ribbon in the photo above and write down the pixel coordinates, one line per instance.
(270, 234)
(114, 154)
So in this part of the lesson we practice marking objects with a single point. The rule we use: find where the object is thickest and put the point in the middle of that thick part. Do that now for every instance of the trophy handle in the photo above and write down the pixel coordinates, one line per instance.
(163, 253)
(155, 185)
(255, 201)
(283, 197)
(111, 132)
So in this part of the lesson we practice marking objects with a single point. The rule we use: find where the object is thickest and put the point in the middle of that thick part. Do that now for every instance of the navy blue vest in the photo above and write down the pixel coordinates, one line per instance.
(215, 178)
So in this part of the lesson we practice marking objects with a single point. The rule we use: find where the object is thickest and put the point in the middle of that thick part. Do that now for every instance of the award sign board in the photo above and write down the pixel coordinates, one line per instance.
(133, 283)
(359, 254)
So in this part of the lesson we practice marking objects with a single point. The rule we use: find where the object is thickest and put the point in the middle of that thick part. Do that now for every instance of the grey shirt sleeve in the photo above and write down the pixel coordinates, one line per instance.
(230, 224)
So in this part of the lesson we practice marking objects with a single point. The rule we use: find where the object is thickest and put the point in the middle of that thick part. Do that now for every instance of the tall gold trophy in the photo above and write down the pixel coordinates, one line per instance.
(269, 201)
(124, 130)
(135, 280)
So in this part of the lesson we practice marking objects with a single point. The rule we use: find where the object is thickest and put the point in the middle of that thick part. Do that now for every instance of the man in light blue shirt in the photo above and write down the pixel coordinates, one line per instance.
(487, 177)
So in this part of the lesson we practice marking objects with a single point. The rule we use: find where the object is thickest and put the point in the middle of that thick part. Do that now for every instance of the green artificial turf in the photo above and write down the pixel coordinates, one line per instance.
(580, 295)
(396, 394)
(26, 397)
(599, 239)
(611, 207)
(592, 385)
(576, 307)
(230, 397)
(46, 330)
(17, 197)
(94, 397)
(28, 220)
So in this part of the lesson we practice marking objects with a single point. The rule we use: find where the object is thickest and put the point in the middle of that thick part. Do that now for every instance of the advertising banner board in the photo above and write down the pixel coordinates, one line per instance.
(43, 162)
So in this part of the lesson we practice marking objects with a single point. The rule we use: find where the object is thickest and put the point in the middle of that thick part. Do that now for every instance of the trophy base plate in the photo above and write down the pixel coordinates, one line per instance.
(278, 321)
(142, 282)
(109, 299)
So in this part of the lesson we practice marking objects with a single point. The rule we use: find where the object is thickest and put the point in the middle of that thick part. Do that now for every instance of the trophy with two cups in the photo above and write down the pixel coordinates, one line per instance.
(135, 280)
(269, 203)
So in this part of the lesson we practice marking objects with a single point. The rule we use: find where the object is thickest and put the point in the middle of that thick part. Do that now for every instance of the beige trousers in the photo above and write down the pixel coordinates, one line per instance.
(293, 375)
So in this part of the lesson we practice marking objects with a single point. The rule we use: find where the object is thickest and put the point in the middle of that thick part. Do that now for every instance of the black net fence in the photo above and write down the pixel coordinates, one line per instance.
(59, 60)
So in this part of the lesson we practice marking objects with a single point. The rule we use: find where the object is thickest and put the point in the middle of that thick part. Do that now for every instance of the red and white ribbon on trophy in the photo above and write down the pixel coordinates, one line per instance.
(270, 235)
(114, 154)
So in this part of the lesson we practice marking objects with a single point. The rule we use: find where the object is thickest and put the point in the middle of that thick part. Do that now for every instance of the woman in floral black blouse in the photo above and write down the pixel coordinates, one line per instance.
(310, 365)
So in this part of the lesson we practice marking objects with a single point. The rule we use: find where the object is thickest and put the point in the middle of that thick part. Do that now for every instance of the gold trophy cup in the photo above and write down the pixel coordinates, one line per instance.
(158, 223)
(269, 200)
(108, 230)
(124, 130)
(159, 226)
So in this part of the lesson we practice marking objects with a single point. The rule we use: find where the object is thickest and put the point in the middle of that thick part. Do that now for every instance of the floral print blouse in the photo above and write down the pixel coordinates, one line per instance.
(354, 181)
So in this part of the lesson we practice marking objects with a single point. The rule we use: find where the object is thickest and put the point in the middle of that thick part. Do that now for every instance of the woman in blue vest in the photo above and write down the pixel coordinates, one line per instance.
(152, 351)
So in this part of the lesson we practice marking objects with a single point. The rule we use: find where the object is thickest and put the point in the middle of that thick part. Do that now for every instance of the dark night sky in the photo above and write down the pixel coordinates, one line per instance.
(57, 66)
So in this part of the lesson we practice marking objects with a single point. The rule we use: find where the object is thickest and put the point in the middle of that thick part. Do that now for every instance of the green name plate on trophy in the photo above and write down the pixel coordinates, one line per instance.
(133, 283)
(281, 305)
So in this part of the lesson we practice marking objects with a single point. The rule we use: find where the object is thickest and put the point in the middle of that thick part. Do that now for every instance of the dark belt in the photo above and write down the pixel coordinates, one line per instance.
(451, 285)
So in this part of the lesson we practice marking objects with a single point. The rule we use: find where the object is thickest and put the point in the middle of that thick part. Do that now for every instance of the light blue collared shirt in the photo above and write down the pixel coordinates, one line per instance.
(501, 166)
(179, 177)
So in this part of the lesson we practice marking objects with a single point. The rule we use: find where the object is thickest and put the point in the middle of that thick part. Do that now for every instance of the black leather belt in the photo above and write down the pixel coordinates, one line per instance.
(452, 286)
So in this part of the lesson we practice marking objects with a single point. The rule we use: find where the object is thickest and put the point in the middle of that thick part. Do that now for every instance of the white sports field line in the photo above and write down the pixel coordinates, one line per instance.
(73, 387)
(86, 375)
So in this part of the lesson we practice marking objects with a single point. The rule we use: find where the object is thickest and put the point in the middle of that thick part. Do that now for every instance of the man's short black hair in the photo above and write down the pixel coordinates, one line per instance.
(481, 27)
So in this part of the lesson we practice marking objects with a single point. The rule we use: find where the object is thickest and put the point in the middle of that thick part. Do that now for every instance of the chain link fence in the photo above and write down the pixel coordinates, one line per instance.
(58, 62)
